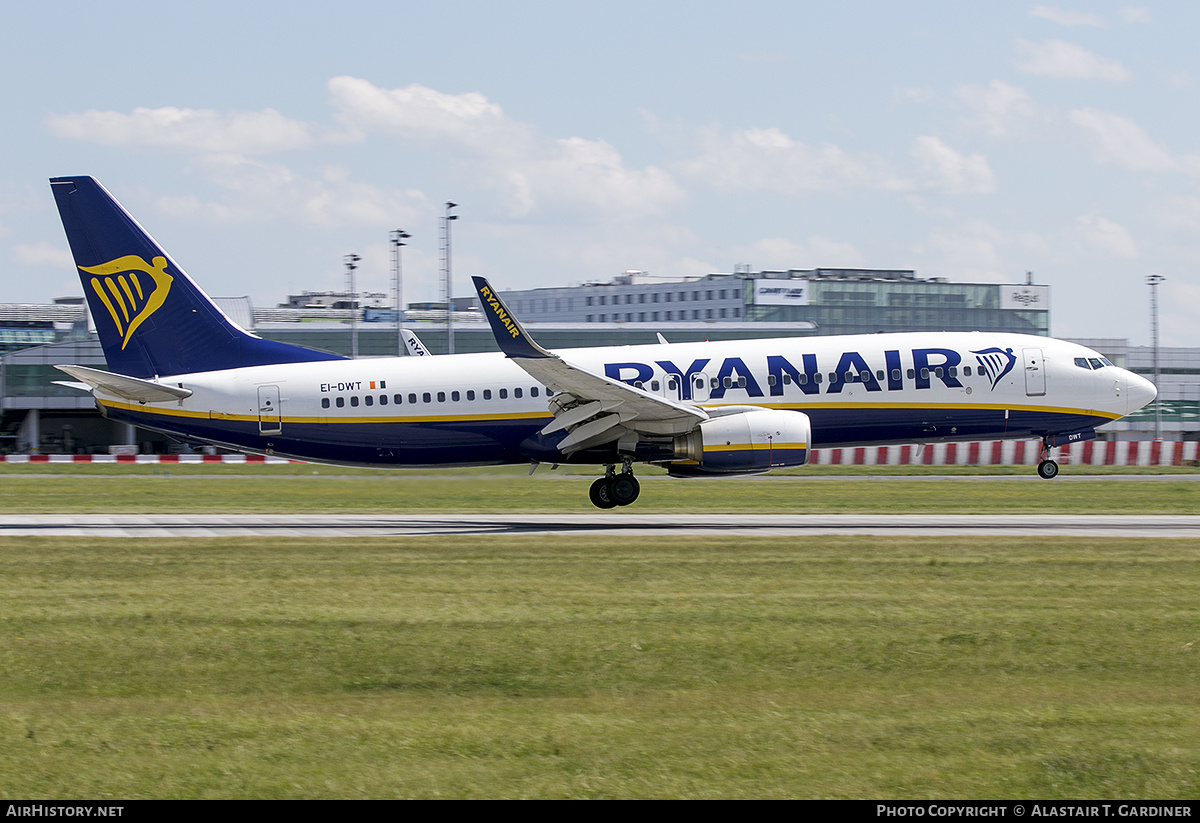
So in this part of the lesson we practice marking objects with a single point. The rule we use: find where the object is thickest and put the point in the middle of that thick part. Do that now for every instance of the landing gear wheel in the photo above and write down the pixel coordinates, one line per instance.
(601, 494)
(624, 489)
(1047, 470)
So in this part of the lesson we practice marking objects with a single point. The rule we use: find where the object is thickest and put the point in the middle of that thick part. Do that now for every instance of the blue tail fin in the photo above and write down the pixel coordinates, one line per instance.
(152, 319)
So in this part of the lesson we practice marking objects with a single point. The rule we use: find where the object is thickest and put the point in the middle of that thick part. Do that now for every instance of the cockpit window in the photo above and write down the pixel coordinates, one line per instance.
(1082, 362)
(1106, 361)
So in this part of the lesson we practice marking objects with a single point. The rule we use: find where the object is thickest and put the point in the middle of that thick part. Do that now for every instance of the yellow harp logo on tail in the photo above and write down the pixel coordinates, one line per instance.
(130, 299)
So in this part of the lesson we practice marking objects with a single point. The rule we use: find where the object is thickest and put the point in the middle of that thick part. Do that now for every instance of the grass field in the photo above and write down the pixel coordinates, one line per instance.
(109, 489)
(582, 667)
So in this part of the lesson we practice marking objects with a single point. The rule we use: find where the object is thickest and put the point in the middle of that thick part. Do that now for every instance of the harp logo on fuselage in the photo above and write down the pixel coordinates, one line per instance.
(130, 299)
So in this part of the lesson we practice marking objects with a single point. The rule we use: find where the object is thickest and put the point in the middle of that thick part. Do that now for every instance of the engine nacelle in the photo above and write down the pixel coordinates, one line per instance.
(744, 443)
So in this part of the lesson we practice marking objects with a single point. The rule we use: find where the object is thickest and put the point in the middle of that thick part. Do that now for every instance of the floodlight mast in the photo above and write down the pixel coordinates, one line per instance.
(448, 291)
(1153, 280)
(398, 236)
(351, 261)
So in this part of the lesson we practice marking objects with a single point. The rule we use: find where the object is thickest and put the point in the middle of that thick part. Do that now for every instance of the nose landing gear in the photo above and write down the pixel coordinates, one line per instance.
(615, 489)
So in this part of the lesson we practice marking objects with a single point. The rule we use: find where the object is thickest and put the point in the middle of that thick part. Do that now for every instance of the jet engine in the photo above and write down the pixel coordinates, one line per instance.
(744, 442)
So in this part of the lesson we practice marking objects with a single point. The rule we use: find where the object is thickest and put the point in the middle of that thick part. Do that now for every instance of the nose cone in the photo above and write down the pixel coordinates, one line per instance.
(1139, 392)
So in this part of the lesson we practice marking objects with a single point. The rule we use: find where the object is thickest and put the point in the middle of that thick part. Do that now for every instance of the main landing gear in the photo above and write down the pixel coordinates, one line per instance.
(1047, 468)
(615, 489)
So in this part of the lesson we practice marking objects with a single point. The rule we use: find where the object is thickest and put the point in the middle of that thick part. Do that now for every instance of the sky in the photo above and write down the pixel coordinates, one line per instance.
(259, 142)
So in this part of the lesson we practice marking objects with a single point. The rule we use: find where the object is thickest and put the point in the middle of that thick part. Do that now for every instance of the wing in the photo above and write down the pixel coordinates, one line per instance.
(594, 409)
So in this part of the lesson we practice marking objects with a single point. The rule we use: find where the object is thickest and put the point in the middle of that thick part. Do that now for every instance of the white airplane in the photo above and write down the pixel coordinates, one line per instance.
(180, 366)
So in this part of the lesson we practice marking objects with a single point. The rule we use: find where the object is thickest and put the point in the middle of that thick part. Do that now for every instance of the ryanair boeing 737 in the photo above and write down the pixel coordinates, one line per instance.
(178, 365)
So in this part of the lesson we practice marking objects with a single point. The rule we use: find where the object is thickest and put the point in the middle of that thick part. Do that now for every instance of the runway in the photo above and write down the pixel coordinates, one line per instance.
(616, 524)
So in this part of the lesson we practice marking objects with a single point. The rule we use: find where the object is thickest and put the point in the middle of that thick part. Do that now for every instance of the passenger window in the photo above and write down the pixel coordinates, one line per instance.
(716, 384)
(924, 374)
(487, 394)
(369, 400)
(938, 371)
(728, 382)
(801, 379)
(441, 397)
(817, 378)
(911, 374)
(324, 402)
(517, 392)
(398, 399)
(341, 402)
(879, 374)
(454, 396)
(412, 398)
(504, 394)
(534, 391)
(966, 371)
(864, 376)
(426, 397)
(354, 401)
(895, 374)
(383, 399)
(653, 387)
(470, 394)
(741, 382)
(770, 380)
(953, 371)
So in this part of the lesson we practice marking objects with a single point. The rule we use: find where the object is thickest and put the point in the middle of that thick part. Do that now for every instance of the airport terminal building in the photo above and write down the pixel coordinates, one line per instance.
(834, 301)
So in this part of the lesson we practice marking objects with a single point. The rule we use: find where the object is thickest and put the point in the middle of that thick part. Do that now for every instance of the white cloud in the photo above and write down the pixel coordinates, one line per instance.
(188, 130)
(944, 169)
(1179, 304)
(43, 254)
(1066, 17)
(1120, 141)
(1056, 58)
(419, 113)
(1106, 237)
(969, 253)
(263, 191)
(770, 160)
(785, 253)
(1134, 14)
(532, 170)
(1000, 109)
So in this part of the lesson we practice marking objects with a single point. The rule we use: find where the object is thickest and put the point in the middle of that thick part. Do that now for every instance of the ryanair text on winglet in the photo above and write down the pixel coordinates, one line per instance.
(494, 302)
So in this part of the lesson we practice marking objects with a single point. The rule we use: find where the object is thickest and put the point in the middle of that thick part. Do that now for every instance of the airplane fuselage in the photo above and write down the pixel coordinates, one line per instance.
(479, 409)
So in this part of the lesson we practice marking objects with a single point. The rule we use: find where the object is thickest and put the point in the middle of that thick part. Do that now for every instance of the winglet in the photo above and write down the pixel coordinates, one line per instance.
(510, 336)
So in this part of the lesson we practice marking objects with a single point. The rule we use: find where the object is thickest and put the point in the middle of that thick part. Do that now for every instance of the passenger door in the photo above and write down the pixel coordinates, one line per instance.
(1035, 372)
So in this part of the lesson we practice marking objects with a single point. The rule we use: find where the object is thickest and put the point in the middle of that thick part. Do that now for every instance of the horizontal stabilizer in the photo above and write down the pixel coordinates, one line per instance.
(131, 388)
